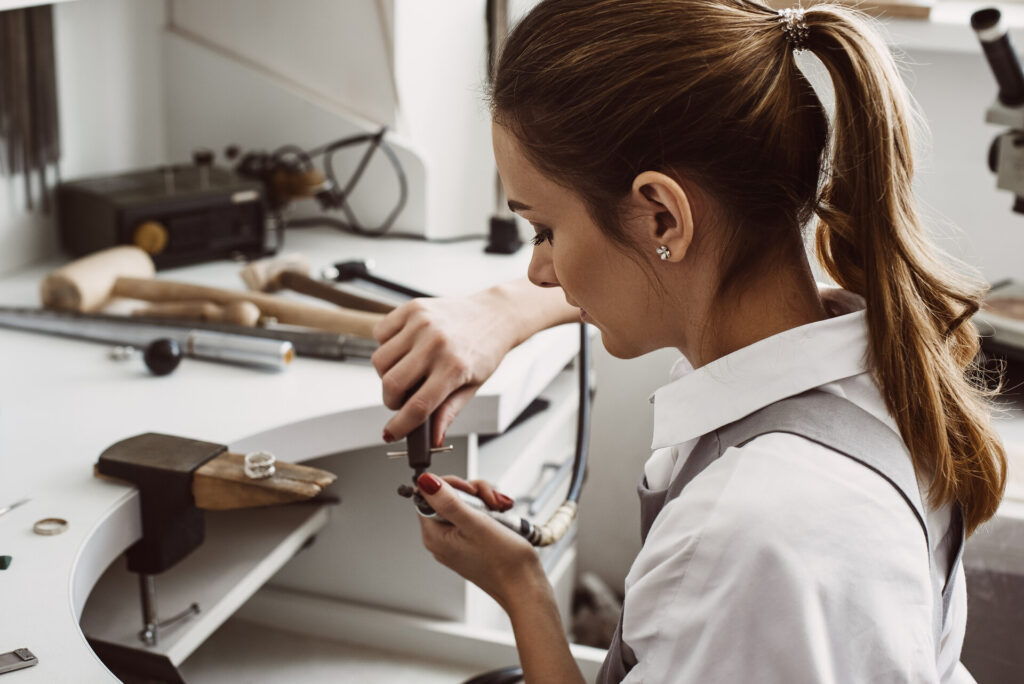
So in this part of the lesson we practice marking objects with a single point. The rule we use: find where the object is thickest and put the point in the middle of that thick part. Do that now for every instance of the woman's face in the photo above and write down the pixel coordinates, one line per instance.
(612, 290)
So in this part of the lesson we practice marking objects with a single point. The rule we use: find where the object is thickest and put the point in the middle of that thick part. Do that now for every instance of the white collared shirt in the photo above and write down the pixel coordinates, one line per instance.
(784, 561)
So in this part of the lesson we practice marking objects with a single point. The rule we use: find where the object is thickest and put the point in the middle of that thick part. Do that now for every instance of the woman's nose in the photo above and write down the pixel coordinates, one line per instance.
(542, 269)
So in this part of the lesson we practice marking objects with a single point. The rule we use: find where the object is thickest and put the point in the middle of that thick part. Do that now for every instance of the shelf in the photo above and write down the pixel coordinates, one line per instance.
(243, 651)
(243, 549)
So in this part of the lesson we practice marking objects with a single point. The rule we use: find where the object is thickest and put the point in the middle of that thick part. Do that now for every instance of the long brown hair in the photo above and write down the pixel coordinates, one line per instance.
(597, 91)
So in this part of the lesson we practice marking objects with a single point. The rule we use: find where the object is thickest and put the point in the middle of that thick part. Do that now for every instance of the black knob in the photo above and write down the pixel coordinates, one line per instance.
(503, 237)
(202, 156)
(162, 356)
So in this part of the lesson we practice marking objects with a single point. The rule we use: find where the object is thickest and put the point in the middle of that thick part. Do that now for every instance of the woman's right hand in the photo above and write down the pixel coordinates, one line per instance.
(452, 344)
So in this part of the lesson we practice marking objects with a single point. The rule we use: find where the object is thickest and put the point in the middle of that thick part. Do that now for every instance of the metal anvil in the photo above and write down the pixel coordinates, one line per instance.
(179, 477)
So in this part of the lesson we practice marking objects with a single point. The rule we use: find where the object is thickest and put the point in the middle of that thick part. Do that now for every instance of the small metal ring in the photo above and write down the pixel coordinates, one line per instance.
(259, 465)
(50, 526)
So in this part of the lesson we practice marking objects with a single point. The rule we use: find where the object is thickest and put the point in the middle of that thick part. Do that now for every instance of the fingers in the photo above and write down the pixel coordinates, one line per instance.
(494, 499)
(400, 378)
(391, 352)
(414, 411)
(445, 414)
(442, 498)
(386, 328)
(459, 483)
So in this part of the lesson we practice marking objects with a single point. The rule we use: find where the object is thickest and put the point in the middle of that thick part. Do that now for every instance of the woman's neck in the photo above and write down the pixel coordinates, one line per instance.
(776, 302)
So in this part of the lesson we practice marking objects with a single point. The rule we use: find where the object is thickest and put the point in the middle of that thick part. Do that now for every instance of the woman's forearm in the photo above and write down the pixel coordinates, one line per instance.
(543, 648)
(533, 308)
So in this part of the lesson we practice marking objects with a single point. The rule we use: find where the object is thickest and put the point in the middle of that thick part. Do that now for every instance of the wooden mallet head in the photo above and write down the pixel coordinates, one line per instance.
(87, 283)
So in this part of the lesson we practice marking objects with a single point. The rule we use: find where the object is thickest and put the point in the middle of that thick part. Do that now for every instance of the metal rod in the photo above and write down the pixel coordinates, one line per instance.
(150, 624)
(141, 330)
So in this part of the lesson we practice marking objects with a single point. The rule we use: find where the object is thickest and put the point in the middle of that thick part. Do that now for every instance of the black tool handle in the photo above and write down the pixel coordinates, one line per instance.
(418, 442)
(358, 270)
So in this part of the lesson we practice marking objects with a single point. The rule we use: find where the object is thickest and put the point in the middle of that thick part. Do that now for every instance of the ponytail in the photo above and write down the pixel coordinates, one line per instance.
(923, 346)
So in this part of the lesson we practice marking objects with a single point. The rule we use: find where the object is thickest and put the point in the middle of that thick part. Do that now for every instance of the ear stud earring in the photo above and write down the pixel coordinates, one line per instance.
(664, 253)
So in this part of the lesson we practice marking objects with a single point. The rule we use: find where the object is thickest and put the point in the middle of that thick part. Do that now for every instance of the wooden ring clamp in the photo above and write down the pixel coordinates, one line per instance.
(177, 479)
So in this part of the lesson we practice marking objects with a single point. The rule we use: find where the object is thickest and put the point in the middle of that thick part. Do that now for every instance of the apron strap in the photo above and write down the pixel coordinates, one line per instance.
(835, 423)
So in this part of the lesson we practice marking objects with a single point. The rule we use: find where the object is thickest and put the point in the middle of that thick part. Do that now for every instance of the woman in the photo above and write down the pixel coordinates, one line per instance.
(815, 462)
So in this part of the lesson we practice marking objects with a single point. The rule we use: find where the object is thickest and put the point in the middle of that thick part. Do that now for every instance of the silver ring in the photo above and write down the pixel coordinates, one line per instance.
(259, 465)
(50, 526)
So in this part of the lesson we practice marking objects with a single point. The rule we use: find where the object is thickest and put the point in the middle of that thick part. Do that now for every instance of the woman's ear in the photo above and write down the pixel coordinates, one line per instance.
(664, 213)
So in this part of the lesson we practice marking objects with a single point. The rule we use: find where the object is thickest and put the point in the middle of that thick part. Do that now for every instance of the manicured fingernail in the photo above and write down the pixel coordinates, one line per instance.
(429, 483)
(388, 437)
(505, 501)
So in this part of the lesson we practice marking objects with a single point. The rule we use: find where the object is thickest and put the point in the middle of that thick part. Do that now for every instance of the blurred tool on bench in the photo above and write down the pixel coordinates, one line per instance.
(292, 272)
(87, 284)
(238, 313)
(72, 293)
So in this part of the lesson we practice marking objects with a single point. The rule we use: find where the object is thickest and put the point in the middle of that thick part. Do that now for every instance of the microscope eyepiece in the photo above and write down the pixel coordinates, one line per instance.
(995, 41)
(986, 19)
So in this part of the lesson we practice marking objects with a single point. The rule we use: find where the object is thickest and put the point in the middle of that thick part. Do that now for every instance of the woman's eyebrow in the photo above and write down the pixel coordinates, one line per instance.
(514, 206)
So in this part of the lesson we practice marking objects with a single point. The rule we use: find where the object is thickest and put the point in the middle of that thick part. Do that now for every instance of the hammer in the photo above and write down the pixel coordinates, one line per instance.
(127, 271)
(292, 272)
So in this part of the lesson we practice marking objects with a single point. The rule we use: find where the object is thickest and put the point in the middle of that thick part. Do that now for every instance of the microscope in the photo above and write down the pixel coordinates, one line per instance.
(1006, 155)
(1001, 319)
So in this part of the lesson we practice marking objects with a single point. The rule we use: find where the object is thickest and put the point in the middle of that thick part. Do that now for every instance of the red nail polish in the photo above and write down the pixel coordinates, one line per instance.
(388, 437)
(429, 483)
(505, 501)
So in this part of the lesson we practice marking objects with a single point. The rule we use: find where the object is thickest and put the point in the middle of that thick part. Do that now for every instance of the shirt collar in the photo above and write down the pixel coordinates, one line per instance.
(699, 401)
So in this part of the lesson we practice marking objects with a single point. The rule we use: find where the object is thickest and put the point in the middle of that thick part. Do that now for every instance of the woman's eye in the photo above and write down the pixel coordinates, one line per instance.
(543, 235)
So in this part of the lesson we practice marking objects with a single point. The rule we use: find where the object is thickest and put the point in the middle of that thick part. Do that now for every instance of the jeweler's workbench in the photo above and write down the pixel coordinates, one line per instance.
(62, 402)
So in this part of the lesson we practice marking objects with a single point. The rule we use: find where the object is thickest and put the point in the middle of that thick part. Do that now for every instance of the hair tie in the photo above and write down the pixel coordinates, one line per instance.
(794, 26)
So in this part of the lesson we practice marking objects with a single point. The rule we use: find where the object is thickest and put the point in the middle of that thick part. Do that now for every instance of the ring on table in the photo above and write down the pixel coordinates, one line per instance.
(50, 526)
(259, 465)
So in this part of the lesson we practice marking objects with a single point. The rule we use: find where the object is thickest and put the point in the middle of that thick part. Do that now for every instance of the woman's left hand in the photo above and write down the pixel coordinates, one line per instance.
(483, 551)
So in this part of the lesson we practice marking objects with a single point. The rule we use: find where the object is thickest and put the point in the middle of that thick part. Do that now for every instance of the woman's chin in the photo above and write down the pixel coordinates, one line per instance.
(616, 348)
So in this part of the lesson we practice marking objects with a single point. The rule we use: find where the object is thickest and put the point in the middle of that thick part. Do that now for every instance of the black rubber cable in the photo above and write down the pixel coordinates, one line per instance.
(579, 466)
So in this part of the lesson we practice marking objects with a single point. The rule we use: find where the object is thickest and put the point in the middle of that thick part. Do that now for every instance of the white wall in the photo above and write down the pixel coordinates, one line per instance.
(441, 70)
(415, 65)
(110, 94)
(336, 50)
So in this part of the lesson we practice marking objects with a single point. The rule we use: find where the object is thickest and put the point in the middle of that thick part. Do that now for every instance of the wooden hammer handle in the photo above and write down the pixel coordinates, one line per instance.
(297, 282)
(340, 321)
(239, 313)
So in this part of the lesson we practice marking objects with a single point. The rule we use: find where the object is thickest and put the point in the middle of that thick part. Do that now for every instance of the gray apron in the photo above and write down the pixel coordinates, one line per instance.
(832, 422)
